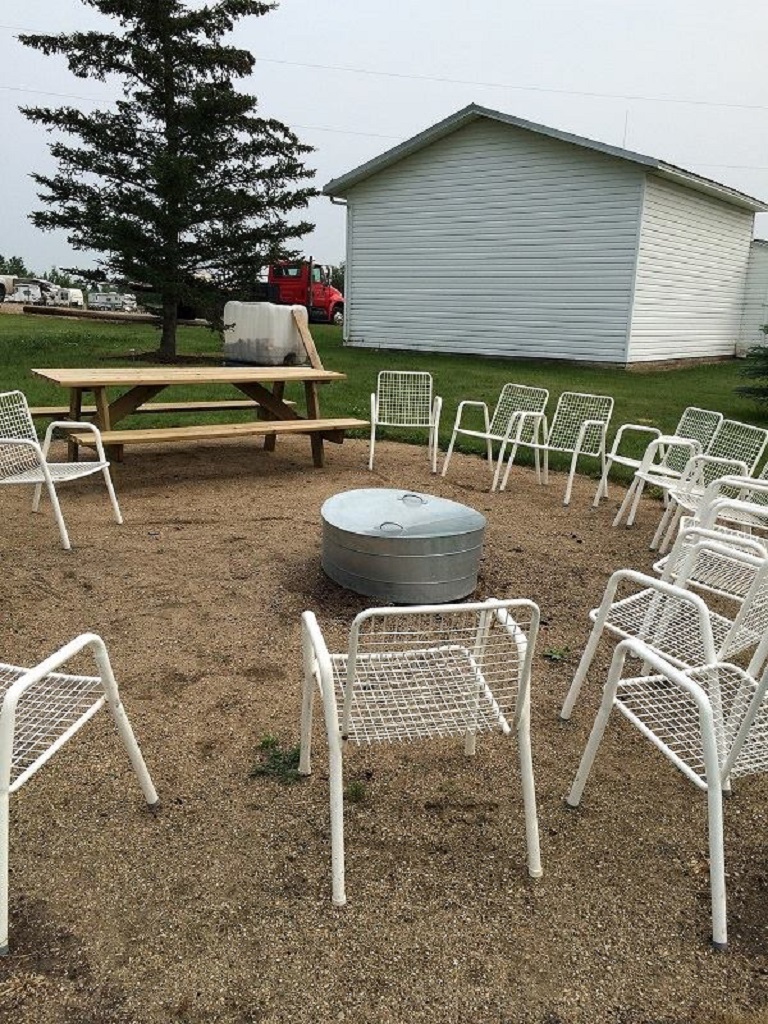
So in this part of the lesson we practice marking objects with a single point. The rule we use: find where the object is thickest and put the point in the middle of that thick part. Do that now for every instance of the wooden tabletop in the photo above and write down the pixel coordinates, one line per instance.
(130, 376)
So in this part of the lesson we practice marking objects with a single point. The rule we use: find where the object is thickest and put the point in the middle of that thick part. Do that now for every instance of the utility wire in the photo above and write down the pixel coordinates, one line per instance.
(486, 85)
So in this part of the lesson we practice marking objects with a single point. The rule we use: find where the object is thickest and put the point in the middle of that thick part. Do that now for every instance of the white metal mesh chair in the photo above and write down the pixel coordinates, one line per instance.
(420, 673)
(732, 441)
(714, 571)
(675, 621)
(513, 422)
(24, 461)
(710, 721)
(404, 398)
(578, 427)
(707, 481)
(691, 436)
(42, 709)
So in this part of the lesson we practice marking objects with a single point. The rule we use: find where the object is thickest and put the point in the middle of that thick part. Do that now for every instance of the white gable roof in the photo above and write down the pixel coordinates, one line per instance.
(340, 186)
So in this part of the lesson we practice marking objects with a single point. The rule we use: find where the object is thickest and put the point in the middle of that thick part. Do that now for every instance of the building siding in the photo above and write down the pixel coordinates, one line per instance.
(755, 313)
(691, 272)
(499, 242)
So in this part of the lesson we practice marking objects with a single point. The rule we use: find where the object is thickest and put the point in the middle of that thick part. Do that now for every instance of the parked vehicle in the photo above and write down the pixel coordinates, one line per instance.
(72, 297)
(308, 284)
(116, 302)
(7, 285)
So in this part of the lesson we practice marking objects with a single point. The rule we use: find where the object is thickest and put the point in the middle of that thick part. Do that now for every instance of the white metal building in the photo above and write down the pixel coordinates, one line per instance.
(755, 313)
(492, 235)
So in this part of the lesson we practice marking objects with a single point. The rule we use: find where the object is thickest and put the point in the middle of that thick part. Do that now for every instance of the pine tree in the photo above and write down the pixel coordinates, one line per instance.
(182, 185)
(756, 368)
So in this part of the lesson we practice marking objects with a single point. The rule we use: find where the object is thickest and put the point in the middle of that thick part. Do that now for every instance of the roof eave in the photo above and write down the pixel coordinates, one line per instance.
(710, 188)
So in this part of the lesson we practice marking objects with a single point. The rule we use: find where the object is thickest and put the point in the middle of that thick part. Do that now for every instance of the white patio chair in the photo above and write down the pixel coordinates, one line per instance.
(42, 709)
(579, 427)
(675, 621)
(24, 461)
(710, 721)
(700, 477)
(512, 423)
(695, 425)
(706, 481)
(732, 441)
(420, 673)
(714, 571)
(404, 398)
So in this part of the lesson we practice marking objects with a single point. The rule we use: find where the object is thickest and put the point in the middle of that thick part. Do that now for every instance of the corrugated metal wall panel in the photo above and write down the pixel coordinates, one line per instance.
(690, 274)
(498, 242)
(755, 312)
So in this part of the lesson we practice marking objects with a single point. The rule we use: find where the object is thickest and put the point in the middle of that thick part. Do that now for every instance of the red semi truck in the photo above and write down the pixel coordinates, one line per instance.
(304, 283)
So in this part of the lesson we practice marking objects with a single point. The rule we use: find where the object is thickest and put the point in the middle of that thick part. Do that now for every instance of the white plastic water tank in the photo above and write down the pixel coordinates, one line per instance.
(263, 334)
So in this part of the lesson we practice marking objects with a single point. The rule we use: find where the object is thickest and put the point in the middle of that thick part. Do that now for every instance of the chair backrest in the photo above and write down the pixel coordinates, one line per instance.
(735, 440)
(573, 408)
(696, 424)
(516, 398)
(16, 424)
(436, 642)
(751, 624)
(404, 398)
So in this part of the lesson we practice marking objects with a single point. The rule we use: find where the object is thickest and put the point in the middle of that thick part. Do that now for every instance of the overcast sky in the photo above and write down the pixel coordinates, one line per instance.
(681, 80)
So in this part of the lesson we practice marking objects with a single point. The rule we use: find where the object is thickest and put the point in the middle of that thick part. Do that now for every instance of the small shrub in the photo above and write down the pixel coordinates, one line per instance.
(275, 762)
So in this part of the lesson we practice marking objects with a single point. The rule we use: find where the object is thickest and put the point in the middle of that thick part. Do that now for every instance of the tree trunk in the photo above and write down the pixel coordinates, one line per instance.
(168, 338)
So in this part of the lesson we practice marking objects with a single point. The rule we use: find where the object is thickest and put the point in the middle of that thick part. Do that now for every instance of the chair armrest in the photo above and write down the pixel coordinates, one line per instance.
(518, 420)
(70, 425)
(659, 446)
(51, 664)
(636, 427)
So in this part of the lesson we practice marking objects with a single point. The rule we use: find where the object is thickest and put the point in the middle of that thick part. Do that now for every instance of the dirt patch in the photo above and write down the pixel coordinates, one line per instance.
(218, 908)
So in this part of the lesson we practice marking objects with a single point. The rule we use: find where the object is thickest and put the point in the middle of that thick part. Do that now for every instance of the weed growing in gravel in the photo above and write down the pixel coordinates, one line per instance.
(356, 792)
(275, 762)
(557, 653)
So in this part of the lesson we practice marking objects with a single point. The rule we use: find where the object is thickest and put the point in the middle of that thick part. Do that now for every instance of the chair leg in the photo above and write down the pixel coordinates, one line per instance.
(337, 818)
(56, 511)
(717, 867)
(602, 487)
(529, 800)
(626, 503)
(569, 485)
(307, 702)
(449, 453)
(112, 495)
(661, 528)
(4, 801)
(598, 729)
(373, 445)
(671, 529)
(123, 725)
(581, 671)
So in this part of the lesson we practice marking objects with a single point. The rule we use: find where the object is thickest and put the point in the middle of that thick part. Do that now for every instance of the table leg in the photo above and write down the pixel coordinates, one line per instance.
(75, 414)
(114, 452)
(278, 389)
(313, 413)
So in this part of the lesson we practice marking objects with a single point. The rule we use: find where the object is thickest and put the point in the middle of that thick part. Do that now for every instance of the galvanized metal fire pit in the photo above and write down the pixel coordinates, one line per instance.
(400, 546)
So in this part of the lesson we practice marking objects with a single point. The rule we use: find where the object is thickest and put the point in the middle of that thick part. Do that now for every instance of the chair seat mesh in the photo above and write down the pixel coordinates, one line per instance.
(668, 624)
(45, 711)
(60, 472)
(417, 694)
(713, 572)
(672, 715)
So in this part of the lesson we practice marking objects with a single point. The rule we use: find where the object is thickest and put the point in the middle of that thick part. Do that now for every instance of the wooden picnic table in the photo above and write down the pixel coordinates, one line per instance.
(264, 385)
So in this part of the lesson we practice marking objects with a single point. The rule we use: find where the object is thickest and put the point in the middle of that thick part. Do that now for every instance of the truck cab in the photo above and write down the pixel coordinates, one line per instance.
(308, 284)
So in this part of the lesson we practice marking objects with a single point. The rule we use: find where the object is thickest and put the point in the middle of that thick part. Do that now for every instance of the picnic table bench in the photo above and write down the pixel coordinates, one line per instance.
(263, 386)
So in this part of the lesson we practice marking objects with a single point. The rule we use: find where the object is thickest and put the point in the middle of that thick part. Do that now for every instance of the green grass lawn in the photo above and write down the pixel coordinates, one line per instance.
(654, 398)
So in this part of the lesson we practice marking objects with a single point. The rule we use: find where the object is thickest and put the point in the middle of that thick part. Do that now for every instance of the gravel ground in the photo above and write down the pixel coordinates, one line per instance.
(217, 907)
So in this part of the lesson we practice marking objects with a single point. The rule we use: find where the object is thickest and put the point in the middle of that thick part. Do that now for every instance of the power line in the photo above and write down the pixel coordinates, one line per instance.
(639, 97)
(507, 85)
